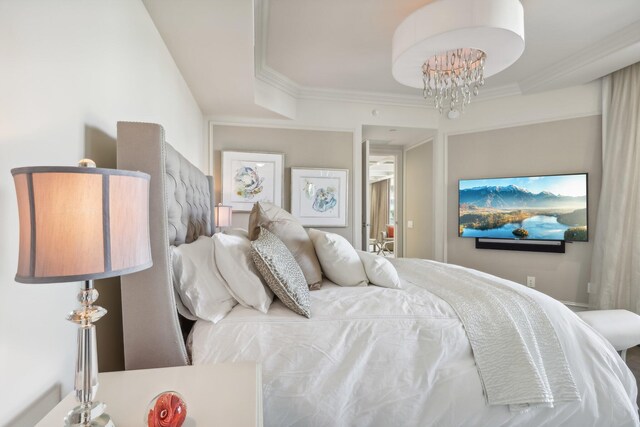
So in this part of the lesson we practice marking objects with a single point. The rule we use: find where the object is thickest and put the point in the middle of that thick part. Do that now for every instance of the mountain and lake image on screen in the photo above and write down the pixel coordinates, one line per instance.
(551, 207)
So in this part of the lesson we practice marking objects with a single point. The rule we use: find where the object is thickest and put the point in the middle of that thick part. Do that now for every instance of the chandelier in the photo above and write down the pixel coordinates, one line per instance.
(452, 77)
(448, 47)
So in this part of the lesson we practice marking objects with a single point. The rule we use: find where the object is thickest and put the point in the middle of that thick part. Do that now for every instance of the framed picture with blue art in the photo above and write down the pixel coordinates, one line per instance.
(319, 196)
(251, 177)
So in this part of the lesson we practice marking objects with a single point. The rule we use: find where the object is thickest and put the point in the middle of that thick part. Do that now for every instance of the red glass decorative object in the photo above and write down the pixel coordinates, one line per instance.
(167, 409)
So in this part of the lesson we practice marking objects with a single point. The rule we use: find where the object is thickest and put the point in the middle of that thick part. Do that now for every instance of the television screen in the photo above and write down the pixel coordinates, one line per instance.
(551, 207)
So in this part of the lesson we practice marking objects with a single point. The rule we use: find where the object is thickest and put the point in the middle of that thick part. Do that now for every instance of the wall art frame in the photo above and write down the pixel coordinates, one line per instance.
(319, 196)
(250, 177)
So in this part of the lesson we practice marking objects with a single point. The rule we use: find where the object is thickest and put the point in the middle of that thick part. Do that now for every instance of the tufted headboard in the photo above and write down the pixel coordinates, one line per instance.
(181, 209)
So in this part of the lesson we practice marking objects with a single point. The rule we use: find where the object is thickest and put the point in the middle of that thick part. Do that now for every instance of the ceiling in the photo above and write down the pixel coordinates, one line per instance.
(393, 136)
(346, 45)
(381, 167)
(212, 43)
(224, 48)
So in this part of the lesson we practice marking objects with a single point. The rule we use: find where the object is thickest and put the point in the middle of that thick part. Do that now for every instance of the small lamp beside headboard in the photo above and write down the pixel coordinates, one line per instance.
(223, 216)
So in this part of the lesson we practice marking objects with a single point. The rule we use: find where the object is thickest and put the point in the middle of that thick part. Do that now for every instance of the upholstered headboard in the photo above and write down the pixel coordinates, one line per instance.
(181, 209)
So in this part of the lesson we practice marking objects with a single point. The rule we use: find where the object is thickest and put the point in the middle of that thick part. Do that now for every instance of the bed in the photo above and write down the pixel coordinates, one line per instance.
(368, 355)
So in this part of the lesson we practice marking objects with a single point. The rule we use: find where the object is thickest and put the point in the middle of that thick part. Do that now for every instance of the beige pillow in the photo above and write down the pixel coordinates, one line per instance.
(287, 228)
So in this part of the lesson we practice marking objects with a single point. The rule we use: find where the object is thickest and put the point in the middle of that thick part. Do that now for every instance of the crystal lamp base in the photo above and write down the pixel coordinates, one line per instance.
(88, 416)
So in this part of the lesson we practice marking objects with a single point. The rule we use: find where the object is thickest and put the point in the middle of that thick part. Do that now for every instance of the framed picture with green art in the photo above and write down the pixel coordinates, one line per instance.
(319, 196)
(251, 177)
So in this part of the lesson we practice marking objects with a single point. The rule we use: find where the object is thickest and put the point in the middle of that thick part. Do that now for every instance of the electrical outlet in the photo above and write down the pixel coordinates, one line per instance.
(589, 287)
(409, 224)
(531, 281)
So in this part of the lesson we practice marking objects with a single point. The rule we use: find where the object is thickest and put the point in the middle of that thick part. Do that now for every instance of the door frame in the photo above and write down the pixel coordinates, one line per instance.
(398, 153)
(365, 196)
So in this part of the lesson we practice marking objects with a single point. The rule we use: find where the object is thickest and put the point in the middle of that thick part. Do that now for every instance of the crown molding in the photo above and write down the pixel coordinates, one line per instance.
(498, 92)
(579, 61)
(261, 70)
(382, 98)
(270, 76)
(278, 80)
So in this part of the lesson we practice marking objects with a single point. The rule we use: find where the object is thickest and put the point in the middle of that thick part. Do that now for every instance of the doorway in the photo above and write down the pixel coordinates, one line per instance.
(384, 155)
(382, 201)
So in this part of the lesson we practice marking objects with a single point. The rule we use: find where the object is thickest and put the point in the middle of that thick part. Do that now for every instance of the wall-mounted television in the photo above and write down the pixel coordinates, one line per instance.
(547, 207)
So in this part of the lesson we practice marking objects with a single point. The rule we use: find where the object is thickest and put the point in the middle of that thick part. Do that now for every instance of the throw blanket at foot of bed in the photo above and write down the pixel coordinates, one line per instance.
(516, 349)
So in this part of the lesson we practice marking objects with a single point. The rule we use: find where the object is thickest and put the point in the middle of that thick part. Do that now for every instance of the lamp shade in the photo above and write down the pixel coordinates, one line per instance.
(79, 223)
(223, 215)
(496, 27)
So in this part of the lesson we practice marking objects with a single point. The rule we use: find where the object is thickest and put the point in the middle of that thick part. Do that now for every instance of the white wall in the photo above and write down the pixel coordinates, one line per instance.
(70, 70)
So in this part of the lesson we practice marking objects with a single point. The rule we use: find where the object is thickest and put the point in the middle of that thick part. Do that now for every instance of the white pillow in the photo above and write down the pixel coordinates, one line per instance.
(198, 282)
(339, 260)
(233, 258)
(379, 270)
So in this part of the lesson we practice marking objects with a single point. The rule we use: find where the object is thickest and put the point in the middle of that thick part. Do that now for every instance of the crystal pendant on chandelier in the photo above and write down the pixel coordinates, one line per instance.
(451, 78)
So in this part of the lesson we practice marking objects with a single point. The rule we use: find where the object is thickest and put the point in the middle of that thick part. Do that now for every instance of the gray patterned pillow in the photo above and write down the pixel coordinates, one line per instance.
(281, 272)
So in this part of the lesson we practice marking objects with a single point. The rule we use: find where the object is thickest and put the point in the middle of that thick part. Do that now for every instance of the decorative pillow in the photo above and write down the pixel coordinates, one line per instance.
(379, 270)
(340, 261)
(198, 282)
(233, 259)
(287, 228)
(282, 272)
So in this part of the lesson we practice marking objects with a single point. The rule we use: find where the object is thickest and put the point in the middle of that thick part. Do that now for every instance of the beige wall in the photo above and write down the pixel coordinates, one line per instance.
(566, 146)
(71, 70)
(302, 148)
(419, 201)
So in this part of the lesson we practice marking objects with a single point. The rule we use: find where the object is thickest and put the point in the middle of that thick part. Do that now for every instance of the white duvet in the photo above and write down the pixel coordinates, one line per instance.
(373, 356)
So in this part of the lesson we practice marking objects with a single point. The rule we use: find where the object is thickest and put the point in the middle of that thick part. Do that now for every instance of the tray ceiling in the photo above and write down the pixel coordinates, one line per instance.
(346, 45)
(227, 50)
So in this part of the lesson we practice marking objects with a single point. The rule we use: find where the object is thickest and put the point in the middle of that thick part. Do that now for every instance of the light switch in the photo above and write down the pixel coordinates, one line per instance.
(410, 224)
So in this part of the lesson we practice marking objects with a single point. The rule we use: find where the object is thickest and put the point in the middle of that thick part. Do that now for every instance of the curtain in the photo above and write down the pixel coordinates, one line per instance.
(615, 267)
(379, 208)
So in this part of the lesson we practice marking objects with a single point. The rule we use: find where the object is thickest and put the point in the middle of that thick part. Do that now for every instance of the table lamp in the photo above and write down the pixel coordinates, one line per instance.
(81, 224)
(222, 216)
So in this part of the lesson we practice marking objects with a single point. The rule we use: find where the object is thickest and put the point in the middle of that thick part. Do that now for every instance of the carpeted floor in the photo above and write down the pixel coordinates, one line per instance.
(633, 361)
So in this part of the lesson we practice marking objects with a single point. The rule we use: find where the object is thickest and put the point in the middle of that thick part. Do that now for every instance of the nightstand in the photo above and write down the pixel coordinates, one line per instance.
(224, 394)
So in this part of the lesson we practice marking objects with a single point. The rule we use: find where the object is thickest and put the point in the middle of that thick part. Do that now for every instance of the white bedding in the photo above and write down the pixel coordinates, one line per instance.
(377, 356)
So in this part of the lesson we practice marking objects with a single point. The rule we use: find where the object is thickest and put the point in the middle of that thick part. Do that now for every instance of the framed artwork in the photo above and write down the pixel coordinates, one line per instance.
(319, 196)
(251, 177)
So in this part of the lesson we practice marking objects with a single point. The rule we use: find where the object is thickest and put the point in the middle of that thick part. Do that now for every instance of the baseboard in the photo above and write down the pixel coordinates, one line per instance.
(38, 409)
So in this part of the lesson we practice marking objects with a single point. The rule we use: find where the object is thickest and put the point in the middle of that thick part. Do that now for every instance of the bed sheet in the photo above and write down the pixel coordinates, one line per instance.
(372, 356)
